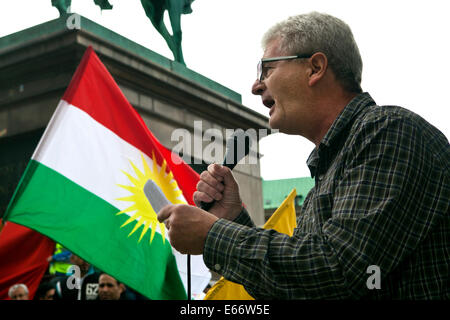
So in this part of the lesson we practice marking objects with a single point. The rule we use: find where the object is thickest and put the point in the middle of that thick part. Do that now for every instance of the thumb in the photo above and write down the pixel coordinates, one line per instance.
(228, 178)
(164, 213)
(221, 172)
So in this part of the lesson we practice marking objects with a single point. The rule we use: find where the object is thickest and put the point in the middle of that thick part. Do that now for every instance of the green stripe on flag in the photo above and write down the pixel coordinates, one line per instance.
(55, 206)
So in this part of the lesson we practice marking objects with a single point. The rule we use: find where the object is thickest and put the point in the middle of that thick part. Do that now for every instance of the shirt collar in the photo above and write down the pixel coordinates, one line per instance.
(350, 111)
(353, 108)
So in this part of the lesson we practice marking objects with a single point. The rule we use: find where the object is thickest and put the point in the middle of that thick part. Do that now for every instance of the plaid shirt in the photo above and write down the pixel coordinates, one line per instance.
(381, 198)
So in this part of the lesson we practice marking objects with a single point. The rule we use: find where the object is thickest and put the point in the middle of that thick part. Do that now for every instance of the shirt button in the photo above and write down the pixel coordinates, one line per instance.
(217, 267)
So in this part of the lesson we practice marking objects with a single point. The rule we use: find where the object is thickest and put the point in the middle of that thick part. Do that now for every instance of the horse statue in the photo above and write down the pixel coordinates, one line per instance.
(64, 5)
(154, 9)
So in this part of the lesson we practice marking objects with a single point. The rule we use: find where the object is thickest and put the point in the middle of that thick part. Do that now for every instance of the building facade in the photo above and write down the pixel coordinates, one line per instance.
(37, 64)
(275, 191)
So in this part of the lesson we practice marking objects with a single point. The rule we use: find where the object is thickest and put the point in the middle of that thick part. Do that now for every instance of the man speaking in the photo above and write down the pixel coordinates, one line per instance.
(381, 195)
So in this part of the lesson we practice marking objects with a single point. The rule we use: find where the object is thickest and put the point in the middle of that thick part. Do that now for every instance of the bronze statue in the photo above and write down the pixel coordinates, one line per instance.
(154, 9)
(63, 5)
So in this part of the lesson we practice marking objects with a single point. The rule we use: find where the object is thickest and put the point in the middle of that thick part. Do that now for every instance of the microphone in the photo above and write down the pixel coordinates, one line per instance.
(155, 195)
(237, 147)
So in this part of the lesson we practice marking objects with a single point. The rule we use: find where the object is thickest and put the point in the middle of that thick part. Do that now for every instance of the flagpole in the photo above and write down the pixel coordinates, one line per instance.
(189, 276)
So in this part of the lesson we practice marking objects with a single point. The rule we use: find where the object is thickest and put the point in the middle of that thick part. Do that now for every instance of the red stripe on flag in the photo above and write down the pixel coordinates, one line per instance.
(23, 256)
(93, 90)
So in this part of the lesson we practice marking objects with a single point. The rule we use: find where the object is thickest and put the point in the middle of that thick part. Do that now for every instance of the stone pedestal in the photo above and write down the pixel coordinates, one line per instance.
(37, 64)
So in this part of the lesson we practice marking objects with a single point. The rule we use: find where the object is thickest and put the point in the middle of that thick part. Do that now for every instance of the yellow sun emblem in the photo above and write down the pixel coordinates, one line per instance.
(141, 211)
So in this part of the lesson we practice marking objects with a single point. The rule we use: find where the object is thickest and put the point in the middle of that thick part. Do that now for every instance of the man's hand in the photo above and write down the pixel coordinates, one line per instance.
(188, 227)
(217, 183)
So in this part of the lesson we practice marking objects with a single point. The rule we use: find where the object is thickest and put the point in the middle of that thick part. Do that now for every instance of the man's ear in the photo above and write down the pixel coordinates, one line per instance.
(122, 288)
(318, 67)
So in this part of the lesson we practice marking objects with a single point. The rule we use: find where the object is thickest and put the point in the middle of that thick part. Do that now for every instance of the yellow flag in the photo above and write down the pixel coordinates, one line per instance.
(283, 220)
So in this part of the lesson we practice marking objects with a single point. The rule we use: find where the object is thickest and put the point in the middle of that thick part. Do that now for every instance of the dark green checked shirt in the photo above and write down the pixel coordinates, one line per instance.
(381, 198)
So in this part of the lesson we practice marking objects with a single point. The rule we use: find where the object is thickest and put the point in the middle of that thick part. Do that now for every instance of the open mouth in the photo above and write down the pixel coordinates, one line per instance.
(268, 103)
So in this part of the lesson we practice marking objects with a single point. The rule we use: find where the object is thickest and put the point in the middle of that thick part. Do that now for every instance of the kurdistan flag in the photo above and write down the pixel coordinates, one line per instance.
(83, 186)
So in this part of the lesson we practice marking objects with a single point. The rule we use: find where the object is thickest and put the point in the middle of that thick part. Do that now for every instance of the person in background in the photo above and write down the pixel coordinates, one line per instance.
(45, 291)
(59, 261)
(81, 285)
(109, 288)
(18, 292)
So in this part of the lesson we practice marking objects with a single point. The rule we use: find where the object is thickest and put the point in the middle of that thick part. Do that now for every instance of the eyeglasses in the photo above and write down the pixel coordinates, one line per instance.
(261, 71)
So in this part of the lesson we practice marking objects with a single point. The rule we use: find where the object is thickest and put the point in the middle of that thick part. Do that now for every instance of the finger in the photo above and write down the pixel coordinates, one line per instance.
(209, 190)
(228, 178)
(164, 213)
(211, 180)
(216, 171)
(225, 173)
(200, 197)
(167, 223)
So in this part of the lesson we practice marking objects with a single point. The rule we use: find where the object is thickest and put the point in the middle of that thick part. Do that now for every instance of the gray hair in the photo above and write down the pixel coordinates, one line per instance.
(14, 287)
(319, 32)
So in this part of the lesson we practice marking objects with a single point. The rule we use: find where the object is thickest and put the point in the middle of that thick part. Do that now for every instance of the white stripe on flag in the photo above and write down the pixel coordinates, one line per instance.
(89, 154)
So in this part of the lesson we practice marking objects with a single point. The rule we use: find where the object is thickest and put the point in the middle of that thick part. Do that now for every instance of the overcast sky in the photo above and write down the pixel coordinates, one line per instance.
(404, 46)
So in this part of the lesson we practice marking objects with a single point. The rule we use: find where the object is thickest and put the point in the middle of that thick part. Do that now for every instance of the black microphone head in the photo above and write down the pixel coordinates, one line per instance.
(238, 146)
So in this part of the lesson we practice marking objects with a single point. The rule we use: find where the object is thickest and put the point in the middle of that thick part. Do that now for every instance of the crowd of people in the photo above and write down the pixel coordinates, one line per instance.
(69, 277)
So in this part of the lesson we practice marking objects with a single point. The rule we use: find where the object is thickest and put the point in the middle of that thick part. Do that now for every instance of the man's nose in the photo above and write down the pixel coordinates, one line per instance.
(258, 87)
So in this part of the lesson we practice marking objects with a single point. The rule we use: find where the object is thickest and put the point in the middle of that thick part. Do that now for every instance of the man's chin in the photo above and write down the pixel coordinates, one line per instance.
(274, 124)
